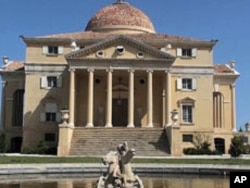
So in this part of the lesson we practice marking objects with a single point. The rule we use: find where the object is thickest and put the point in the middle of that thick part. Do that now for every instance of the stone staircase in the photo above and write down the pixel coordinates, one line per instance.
(98, 141)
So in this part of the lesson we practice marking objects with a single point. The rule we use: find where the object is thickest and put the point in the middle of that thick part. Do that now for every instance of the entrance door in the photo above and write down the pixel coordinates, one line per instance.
(120, 112)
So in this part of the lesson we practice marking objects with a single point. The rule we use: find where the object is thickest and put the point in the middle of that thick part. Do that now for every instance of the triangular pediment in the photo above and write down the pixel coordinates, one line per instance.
(120, 47)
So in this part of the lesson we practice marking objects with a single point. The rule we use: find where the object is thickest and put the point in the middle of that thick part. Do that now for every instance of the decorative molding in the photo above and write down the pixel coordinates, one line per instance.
(38, 68)
(120, 40)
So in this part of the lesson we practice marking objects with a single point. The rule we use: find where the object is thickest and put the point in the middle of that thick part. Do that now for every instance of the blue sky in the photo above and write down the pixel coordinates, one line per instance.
(225, 20)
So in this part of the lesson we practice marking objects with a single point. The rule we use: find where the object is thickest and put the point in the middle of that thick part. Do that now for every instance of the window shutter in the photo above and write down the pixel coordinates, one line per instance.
(42, 117)
(194, 83)
(194, 52)
(179, 83)
(58, 117)
(44, 83)
(60, 49)
(59, 81)
(179, 52)
(45, 50)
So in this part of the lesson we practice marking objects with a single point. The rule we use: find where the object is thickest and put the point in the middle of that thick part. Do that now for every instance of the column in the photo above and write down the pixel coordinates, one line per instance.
(233, 106)
(168, 98)
(131, 99)
(109, 99)
(150, 98)
(90, 98)
(72, 98)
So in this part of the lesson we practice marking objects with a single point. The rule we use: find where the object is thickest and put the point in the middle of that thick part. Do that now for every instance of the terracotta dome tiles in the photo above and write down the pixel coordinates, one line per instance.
(120, 15)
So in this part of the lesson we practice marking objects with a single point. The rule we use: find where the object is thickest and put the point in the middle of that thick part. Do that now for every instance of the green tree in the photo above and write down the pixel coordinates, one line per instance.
(236, 147)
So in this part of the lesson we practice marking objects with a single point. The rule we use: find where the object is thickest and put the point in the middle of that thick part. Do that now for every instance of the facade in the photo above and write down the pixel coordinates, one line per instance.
(117, 73)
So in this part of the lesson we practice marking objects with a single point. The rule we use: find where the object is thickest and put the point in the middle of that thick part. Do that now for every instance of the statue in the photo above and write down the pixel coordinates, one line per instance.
(119, 174)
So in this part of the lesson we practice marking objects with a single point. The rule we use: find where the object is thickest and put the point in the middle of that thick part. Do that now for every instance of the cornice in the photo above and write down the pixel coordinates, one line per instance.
(123, 40)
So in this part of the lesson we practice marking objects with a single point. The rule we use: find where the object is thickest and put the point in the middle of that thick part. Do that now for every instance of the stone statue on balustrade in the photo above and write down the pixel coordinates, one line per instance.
(119, 173)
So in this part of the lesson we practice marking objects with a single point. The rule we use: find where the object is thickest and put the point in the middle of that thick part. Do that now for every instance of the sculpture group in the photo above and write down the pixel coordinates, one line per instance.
(119, 174)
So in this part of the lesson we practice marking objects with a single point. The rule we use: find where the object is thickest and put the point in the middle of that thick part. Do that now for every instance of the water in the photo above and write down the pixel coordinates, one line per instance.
(89, 181)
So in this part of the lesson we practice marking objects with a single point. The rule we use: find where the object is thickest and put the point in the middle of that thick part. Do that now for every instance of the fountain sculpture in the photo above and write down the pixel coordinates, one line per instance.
(119, 174)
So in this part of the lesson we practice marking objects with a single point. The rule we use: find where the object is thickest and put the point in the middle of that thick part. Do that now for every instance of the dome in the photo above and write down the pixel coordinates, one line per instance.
(120, 16)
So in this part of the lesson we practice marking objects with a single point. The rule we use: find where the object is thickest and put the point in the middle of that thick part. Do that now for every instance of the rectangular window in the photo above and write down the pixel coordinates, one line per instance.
(186, 52)
(187, 114)
(52, 49)
(50, 117)
(50, 137)
(52, 81)
(187, 83)
(187, 138)
(48, 82)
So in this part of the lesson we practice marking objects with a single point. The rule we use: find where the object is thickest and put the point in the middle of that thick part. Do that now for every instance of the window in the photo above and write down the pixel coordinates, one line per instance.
(187, 108)
(52, 50)
(186, 52)
(187, 138)
(52, 81)
(187, 114)
(50, 114)
(48, 82)
(17, 114)
(50, 137)
(186, 84)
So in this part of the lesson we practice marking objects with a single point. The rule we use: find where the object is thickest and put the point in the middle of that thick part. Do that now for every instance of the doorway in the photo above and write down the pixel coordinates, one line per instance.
(120, 112)
(16, 144)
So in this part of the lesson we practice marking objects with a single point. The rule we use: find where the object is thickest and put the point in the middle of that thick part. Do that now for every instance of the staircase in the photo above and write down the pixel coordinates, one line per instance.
(98, 141)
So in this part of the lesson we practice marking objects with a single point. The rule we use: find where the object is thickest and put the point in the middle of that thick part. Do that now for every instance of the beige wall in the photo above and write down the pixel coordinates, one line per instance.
(35, 99)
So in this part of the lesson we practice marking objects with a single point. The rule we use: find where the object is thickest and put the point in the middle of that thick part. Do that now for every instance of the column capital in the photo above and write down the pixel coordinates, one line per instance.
(72, 70)
(131, 70)
(109, 70)
(233, 85)
(168, 70)
(150, 71)
(91, 70)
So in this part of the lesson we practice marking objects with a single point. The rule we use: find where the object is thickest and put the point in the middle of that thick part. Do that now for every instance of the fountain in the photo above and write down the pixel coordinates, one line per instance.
(119, 173)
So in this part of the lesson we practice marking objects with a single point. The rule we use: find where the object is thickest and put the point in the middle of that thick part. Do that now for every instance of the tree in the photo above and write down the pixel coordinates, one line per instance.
(236, 147)
(2, 143)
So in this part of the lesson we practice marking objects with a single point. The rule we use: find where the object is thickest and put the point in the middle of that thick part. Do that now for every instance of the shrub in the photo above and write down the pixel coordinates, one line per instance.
(41, 148)
(2, 143)
(236, 147)
(201, 146)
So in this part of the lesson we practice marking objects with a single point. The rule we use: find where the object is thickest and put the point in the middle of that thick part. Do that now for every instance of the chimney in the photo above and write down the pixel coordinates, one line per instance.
(5, 60)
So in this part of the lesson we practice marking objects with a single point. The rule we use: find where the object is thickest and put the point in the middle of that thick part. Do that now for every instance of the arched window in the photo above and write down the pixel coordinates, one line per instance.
(218, 101)
(17, 115)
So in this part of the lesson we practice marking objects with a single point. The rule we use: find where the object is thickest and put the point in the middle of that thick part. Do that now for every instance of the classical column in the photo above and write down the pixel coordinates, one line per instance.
(131, 99)
(233, 107)
(168, 98)
(150, 98)
(109, 99)
(90, 98)
(72, 98)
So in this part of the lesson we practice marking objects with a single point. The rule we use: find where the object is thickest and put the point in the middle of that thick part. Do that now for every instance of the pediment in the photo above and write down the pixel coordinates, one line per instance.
(120, 47)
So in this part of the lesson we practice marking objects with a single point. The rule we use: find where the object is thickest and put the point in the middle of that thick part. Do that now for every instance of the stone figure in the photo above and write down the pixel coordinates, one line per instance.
(119, 172)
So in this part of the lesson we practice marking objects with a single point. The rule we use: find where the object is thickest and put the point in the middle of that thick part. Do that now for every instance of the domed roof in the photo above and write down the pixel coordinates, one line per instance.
(120, 16)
